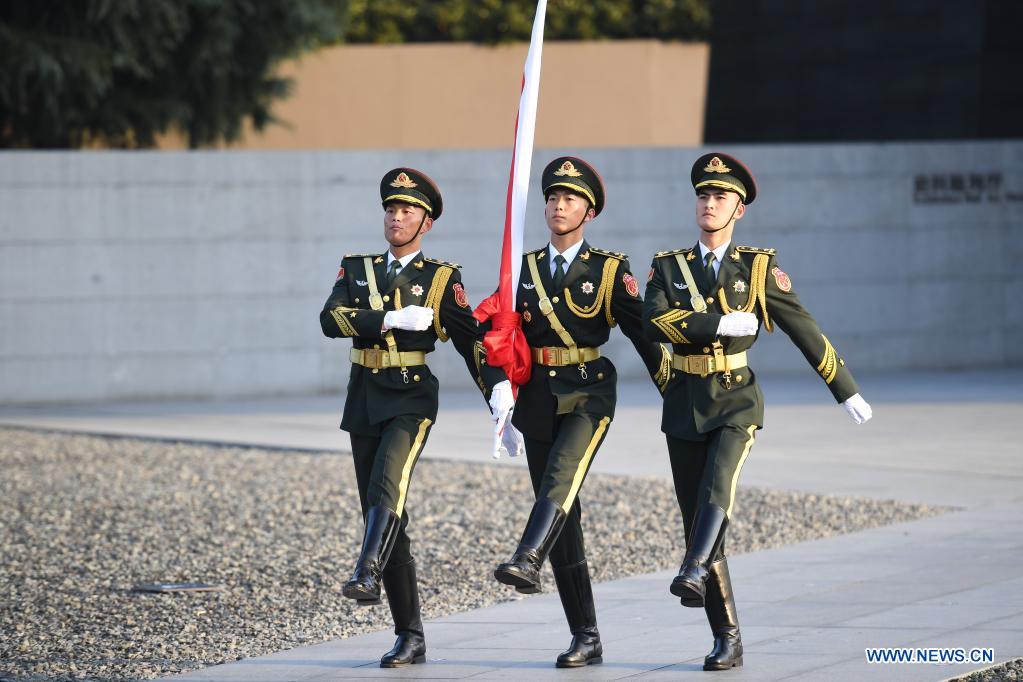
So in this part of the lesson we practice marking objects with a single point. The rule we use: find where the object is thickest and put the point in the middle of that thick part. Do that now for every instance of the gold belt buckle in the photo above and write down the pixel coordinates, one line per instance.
(551, 356)
(372, 358)
(699, 364)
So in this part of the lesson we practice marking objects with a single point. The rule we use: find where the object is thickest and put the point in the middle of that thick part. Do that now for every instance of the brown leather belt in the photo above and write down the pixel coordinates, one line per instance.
(559, 356)
(708, 364)
(380, 358)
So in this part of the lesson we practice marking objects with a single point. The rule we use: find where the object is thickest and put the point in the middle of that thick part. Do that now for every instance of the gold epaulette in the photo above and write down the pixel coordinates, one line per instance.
(662, 254)
(610, 254)
(456, 266)
(754, 249)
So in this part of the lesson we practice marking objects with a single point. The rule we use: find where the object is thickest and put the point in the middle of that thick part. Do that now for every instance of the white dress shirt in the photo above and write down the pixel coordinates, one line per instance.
(403, 261)
(719, 253)
(569, 255)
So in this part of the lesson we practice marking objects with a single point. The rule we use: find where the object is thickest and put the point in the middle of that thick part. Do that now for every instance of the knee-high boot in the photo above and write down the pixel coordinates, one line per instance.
(382, 526)
(723, 618)
(708, 532)
(577, 599)
(403, 598)
(523, 570)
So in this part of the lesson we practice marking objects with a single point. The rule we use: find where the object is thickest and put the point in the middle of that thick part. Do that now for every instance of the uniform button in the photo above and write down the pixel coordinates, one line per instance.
(376, 371)
(415, 377)
(376, 346)
(386, 299)
(356, 300)
(600, 375)
(525, 304)
(552, 373)
(555, 299)
(673, 375)
(710, 299)
(706, 350)
(738, 377)
(677, 304)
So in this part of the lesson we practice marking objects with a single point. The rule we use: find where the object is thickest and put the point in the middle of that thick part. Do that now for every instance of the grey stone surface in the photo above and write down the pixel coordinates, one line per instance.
(181, 275)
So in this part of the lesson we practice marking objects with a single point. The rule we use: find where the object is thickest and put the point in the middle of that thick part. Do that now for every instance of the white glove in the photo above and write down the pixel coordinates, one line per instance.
(414, 318)
(501, 400)
(511, 441)
(858, 409)
(738, 324)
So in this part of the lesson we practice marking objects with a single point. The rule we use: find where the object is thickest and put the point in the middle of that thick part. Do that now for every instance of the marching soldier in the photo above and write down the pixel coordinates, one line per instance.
(709, 302)
(395, 306)
(570, 295)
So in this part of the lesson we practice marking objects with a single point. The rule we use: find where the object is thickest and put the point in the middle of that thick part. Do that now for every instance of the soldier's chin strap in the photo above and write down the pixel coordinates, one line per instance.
(581, 222)
(416, 235)
(734, 211)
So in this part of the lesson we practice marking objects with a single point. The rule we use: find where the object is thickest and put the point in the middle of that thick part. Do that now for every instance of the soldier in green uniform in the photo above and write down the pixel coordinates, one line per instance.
(709, 301)
(395, 306)
(570, 295)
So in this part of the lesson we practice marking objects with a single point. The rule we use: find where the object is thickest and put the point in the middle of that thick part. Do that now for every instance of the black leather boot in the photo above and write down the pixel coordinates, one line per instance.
(381, 530)
(542, 529)
(708, 532)
(723, 619)
(403, 598)
(577, 599)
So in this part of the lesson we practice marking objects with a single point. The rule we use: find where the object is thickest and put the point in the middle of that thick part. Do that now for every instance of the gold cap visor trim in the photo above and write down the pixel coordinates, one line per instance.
(722, 184)
(578, 188)
(408, 200)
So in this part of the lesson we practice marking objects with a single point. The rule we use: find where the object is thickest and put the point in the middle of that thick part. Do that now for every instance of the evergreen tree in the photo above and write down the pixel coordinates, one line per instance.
(119, 72)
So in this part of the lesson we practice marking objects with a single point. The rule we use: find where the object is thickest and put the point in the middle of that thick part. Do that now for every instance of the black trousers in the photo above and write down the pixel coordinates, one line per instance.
(558, 468)
(708, 470)
(383, 471)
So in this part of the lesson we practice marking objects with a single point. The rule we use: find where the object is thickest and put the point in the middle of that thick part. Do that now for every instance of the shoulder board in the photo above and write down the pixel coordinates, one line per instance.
(611, 254)
(456, 266)
(542, 248)
(361, 255)
(754, 249)
(662, 254)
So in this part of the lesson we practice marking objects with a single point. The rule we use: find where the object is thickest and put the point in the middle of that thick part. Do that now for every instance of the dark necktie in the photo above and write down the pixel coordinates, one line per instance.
(559, 271)
(709, 270)
(392, 272)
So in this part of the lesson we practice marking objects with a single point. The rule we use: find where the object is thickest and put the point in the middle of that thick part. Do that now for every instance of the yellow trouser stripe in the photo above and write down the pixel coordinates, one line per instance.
(584, 463)
(406, 471)
(738, 468)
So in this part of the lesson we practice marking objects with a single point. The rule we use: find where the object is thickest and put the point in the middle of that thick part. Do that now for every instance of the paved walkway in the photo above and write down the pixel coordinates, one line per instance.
(807, 610)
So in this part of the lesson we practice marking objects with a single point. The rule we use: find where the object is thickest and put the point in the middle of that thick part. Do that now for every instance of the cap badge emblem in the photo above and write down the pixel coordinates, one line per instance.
(403, 180)
(568, 168)
(716, 166)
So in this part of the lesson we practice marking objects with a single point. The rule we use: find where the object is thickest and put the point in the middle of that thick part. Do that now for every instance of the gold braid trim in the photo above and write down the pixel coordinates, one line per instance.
(828, 367)
(609, 265)
(436, 295)
(609, 275)
(340, 316)
(667, 321)
(479, 356)
(664, 370)
(757, 291)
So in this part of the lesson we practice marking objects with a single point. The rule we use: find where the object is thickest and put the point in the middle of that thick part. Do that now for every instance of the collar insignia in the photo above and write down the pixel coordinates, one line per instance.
(379, 260)
(735, 256)
(585, 256)
(403, 180)
(690, 256)
(568, 169)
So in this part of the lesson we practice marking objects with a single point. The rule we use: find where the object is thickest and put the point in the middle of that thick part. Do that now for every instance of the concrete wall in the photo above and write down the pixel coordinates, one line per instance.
(165, 274)
(465, 96)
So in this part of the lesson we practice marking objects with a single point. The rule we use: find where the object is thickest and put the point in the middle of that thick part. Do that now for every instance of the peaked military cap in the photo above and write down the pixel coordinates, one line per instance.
(725, 172)
(412, 187)
(576, 175)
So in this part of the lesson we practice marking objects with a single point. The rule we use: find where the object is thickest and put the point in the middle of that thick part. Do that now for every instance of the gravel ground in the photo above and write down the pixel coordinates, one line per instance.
(1012, 671)
(83, 518)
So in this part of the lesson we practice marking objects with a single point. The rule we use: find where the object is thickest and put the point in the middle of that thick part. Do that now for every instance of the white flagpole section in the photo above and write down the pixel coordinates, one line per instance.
(523, 158)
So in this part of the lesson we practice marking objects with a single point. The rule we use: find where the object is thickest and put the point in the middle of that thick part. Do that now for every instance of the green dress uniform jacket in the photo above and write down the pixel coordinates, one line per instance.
(750, 280)
(598, 292)
(377, 395)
